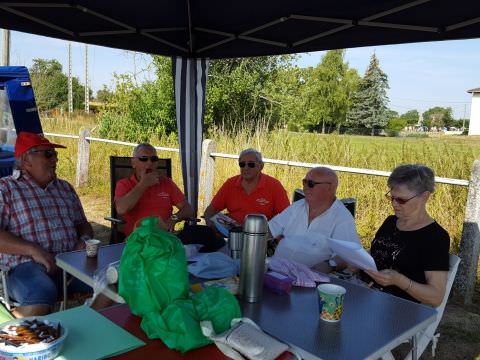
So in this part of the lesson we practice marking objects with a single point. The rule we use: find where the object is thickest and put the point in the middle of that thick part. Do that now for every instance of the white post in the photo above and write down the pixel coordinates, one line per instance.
(6, 48)
(83, 158)
(207, 174)
(470, 243)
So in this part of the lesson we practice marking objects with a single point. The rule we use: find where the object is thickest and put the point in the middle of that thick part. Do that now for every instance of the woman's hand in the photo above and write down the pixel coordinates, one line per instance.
(385, 277)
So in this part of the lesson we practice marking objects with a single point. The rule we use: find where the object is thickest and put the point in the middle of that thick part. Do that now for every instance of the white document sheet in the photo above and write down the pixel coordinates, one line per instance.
(353, 253)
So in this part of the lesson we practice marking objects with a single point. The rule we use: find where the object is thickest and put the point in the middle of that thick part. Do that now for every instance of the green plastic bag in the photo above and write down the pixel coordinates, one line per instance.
(154, 282)
(151, 256)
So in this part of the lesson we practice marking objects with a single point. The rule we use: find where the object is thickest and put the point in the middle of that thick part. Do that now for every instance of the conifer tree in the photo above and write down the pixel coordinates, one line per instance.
(369, 103)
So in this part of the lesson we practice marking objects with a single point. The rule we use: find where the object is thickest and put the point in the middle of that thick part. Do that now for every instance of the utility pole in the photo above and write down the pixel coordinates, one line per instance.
(70, 90)
(87, 95)
(464, 114)
(6, 48)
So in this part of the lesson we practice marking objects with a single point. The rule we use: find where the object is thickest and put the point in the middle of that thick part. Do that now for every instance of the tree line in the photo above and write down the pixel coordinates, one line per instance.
(245, 92)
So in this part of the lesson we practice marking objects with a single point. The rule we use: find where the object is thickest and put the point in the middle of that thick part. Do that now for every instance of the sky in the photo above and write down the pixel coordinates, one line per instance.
(421, 75)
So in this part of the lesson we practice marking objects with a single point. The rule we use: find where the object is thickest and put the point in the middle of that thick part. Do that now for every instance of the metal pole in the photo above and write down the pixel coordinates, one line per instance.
(70, 86)
(87, 95)
(6, 48)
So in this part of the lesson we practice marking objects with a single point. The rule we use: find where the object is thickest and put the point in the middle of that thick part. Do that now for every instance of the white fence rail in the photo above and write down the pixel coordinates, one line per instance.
(469, 244)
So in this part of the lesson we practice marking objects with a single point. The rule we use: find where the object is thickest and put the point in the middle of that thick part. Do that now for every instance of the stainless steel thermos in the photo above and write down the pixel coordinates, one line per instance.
(235, 241)
(252, 264)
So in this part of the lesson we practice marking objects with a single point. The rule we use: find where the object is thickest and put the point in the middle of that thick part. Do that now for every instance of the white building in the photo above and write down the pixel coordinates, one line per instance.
(474, 128)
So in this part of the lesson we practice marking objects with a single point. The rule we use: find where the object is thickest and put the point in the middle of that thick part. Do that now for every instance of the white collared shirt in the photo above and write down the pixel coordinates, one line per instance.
(307, 243)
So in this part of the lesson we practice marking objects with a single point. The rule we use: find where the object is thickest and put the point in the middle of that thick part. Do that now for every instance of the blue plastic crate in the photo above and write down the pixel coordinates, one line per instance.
(7, 160)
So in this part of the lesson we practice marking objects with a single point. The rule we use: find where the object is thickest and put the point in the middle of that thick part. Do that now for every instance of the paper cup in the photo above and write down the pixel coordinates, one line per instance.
(330, 301)
(91, 246)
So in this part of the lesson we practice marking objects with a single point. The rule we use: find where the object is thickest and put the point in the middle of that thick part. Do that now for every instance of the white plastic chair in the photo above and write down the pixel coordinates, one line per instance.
(4, 297)
(424, 337)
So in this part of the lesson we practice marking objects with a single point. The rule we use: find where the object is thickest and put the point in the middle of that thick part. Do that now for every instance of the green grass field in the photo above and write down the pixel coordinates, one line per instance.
(449, 157)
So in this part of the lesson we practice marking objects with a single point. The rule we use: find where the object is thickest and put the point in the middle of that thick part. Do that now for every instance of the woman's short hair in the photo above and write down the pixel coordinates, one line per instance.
(258, 154)
(416, 177)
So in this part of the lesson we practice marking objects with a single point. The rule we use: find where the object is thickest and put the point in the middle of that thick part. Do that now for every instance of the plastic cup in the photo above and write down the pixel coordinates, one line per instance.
(330, 301)
(91, 246)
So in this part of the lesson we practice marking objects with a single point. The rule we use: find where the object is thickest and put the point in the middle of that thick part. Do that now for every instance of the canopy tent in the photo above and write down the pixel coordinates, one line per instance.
(205, 29)
(222, 29)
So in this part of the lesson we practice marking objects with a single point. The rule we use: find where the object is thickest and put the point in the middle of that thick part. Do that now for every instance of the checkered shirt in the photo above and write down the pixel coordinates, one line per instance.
(47, 216)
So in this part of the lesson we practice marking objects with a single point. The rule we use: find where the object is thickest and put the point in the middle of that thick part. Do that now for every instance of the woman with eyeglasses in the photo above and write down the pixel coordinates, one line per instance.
(411, 250)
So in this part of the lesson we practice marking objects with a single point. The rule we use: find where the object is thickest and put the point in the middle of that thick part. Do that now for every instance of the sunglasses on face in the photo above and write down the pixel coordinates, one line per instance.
(49, 153)
(250, 164)
(399, 200)
(311, 183)
(146, 158)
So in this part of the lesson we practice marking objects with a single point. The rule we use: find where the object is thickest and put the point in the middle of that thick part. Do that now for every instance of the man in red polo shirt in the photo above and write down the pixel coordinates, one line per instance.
(250, 192)
(146, 193)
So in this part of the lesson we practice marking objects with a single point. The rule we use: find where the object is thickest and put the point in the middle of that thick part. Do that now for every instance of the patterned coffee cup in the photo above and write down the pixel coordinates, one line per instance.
(91, 246)
(330, 301)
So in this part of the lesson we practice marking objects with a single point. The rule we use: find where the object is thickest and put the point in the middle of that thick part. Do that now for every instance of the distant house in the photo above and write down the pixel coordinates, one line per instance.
(474, 127)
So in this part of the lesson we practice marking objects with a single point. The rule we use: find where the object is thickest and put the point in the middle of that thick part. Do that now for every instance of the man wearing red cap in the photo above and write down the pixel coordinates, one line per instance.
(40, 216)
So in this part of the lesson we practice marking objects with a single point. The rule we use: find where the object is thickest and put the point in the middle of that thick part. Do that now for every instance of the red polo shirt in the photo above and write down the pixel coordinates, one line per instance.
(157, 200)
(268, 198)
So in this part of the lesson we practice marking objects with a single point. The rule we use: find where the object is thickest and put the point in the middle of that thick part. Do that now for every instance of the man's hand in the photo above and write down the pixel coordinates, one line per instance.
(163, 225)
(148, 179)
(42, 257)
(170, 224)
(80, 245)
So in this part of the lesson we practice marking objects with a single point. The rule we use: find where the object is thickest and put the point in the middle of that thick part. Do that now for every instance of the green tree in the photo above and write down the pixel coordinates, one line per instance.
(438, 117)
(50, 85)
(392, 114)
(369, 108)
(411, 117)
(239, 91)
(141, 112)
(328, 91)
(104, 94)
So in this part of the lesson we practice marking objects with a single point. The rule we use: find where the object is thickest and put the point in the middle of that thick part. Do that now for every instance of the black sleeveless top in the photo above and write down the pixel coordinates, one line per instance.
(411, 253)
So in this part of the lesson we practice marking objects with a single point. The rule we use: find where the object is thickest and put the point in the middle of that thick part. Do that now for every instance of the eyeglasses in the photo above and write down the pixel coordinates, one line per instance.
(311, 183)
(153, 158)
(250, 164)
(48, 153)
(399, 200)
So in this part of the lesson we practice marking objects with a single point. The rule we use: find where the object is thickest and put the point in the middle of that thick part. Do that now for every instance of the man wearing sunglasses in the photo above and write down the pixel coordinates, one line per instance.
(302, 229)
(146, 193)
(250, 192)
(40, 216)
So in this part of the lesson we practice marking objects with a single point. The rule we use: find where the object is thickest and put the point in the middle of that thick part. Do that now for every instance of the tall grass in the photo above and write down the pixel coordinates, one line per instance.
(447, 156)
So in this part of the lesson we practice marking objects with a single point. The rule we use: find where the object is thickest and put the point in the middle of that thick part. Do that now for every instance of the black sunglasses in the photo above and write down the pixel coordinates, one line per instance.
(399, 200)
(311, 183)
(146, 158)
(251, 164)
(48, 153)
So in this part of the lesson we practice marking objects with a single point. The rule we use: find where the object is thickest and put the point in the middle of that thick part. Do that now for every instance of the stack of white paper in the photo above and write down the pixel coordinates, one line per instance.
(353, 253)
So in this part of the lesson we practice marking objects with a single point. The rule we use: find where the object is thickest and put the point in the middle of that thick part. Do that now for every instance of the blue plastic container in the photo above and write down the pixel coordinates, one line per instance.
(7, 160)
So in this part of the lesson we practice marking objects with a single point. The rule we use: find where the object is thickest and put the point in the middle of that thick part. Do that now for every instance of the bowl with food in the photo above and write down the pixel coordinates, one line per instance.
(31, 338)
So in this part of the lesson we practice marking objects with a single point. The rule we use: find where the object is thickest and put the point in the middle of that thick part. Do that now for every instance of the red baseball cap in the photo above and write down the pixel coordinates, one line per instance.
(27, 140)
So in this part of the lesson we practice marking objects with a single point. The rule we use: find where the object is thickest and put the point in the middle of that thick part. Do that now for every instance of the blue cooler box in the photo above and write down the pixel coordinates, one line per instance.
(7, 160)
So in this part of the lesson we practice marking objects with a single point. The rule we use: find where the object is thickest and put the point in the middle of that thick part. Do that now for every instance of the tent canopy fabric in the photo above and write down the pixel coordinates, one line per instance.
(223, 29)
(205, 29)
